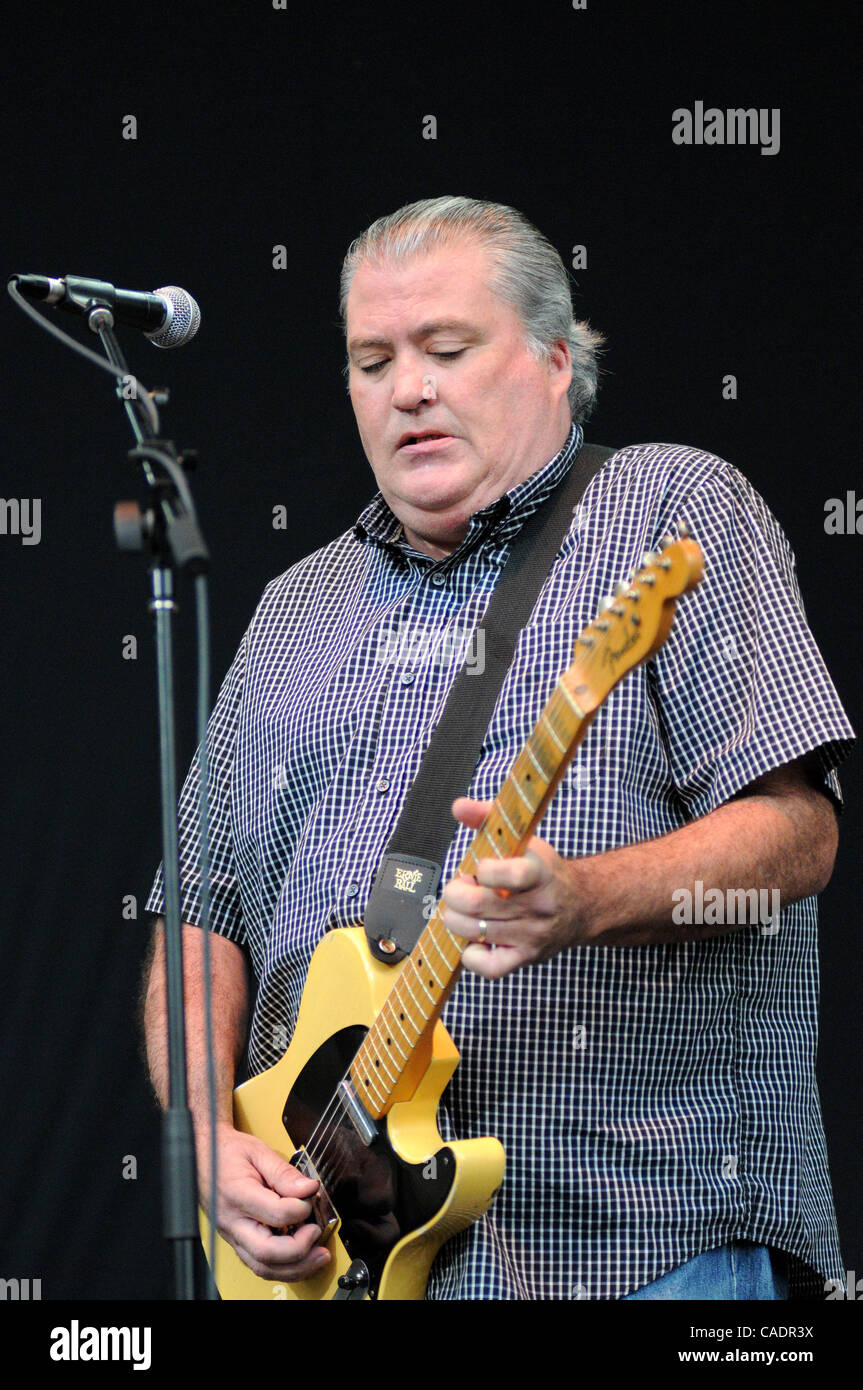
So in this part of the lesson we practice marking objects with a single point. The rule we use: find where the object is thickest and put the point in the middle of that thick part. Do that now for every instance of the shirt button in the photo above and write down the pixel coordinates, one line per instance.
(407, 677)
(353, 889)
(438, 579)
(384, 784)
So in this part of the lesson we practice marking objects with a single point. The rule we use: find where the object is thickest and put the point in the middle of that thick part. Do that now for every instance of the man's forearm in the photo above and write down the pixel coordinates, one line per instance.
(784, 840)
(230, 1013)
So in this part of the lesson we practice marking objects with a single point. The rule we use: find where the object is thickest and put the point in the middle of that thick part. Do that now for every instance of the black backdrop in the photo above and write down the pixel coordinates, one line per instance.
(257, 127)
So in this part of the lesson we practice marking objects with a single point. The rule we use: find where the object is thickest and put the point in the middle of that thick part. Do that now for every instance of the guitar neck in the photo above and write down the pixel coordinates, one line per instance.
(628, 629)
(428, 974)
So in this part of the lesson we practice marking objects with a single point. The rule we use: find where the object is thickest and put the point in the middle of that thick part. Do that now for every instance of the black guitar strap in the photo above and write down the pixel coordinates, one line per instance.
(405, 889)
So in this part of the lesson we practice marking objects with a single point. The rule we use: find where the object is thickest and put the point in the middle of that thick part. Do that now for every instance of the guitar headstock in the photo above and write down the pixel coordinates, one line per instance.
(634, 622)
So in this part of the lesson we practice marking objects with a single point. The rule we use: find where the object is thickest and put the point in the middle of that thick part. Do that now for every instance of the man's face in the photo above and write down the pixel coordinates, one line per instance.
(498, 414)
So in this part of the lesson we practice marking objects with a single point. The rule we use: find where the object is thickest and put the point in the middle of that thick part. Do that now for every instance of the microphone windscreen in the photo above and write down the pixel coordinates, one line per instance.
(183, 319)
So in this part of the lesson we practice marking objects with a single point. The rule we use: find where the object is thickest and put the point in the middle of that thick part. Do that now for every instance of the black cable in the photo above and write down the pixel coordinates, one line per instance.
(141, 394)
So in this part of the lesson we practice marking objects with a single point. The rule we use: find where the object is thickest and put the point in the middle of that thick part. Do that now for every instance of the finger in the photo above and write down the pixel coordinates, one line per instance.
(280, 1175)
(254, 1200)
(517, 875)
(469, 898)
(469, 812)
(280, 1257)
(462, 913)
(485, 894)
(494, 964)
(466, 925)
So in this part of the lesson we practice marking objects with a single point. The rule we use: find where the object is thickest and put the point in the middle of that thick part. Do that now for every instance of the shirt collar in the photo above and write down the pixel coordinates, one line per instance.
(501, 518)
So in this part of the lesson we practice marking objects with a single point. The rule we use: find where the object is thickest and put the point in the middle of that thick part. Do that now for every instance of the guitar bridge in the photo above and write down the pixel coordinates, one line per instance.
(324, 1213)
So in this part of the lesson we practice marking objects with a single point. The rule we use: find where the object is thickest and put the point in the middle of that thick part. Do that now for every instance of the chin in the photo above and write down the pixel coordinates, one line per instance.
(438, 500)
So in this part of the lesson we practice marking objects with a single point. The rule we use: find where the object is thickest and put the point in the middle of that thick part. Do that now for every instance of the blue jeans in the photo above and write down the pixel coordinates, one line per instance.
(737, 1271)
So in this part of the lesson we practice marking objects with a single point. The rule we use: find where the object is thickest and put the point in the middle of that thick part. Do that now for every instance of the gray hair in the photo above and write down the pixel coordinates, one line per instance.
(528, 273)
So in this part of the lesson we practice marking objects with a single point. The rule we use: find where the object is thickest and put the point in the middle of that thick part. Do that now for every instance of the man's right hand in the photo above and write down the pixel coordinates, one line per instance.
(257, 1190)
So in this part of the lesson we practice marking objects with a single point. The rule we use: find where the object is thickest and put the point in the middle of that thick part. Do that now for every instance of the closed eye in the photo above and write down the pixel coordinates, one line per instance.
(445, 356)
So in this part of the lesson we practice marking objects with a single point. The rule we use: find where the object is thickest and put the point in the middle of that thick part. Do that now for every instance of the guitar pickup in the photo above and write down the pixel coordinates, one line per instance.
(324, 1213)
(356, 1112)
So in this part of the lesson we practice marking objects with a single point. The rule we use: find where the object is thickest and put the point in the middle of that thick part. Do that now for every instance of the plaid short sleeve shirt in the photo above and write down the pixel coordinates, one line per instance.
(653, 1101)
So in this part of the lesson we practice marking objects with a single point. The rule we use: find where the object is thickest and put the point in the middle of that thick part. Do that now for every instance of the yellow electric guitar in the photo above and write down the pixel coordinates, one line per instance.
(353, 1101)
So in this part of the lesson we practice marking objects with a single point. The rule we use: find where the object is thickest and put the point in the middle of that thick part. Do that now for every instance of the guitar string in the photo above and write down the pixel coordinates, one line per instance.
(335, 1106)
(322, 1139)
(335, 1110)
(330, 1119)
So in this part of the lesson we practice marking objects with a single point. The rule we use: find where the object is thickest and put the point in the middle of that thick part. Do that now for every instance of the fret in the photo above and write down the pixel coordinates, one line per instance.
(570, 700)
(544, 719)
(502, 813)
(457, 941)
(398, 1022)
(403, 980)
(431, 969)
(495, 848)
(471, 856)
(380, 1055)
(367, 1084)
(530, 749)
(556, 717)
(451, 965)
(516, 781)
(374, 1046)
(390, 1038)
(422, 986)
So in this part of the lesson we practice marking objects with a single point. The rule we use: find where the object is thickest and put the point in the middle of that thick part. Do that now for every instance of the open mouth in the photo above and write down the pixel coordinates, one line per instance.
(428, 438)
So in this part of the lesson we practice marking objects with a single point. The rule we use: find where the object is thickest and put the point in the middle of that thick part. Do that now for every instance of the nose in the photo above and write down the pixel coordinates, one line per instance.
(410, 381)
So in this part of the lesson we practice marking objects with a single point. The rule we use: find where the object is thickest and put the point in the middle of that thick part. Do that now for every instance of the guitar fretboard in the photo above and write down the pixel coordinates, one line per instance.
(429, 972)
(628, 629)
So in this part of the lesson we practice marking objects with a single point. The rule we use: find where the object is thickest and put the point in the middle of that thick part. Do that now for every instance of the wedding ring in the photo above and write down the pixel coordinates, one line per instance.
(483, 930)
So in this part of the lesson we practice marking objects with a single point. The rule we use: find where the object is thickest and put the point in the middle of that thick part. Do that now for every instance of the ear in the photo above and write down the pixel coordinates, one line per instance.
(560, 363)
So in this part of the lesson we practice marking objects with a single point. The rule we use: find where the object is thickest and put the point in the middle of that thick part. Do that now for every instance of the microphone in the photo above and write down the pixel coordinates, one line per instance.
(169, 316)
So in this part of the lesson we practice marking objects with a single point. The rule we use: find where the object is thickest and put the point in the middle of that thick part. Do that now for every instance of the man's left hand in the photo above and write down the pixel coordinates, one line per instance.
(532, 905)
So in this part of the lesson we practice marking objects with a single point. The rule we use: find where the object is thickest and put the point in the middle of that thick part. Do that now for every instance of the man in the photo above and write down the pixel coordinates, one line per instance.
(652, 1081)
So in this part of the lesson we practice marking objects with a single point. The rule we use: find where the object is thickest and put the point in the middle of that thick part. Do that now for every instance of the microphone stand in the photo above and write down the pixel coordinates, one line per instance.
(170, 531)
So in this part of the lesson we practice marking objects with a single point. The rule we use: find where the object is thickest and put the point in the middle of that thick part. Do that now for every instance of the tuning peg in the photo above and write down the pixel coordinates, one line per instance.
(648, 558)
(621, 587)
(666, 541)
(604, 604)
(683, 528)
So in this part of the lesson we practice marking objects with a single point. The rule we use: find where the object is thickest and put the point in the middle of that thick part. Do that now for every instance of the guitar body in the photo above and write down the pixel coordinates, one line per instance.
(398, 1197)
